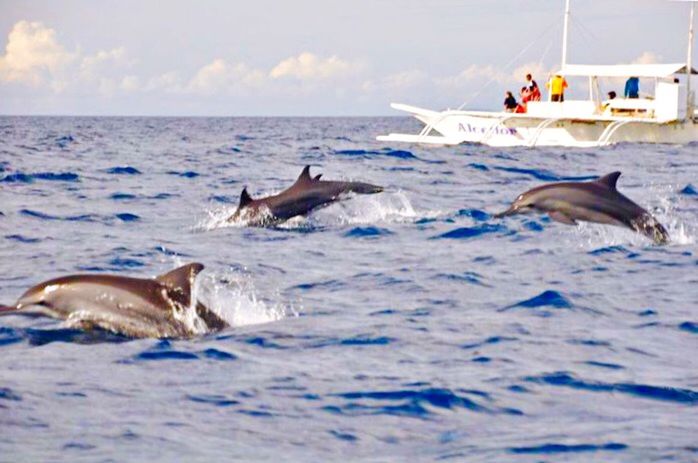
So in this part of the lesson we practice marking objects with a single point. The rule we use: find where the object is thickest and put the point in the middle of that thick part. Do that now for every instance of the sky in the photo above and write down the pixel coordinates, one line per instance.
(308, 57)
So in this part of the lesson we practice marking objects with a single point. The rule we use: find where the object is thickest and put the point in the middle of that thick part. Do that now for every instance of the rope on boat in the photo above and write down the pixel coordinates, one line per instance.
(551, 27)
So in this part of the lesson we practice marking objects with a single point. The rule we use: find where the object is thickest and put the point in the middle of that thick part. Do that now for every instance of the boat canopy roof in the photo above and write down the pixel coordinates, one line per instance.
(624, 70)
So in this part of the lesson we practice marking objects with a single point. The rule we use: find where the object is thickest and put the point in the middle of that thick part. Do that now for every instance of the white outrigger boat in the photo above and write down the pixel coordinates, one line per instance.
(666, 116)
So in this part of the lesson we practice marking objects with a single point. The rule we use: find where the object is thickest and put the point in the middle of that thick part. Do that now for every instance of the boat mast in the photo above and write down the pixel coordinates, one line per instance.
(689, 66)
(564, 33)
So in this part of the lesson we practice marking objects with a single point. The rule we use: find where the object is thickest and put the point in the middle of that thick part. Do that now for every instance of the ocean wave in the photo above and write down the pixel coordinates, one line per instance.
(19, 177)
(464, 233)
(645, 391)
(368, 154)
(123, 170)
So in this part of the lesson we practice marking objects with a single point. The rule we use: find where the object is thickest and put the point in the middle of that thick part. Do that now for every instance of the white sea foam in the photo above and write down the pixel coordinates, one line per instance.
(390, 207)
(387, 207)
(233, 296)
(669, 210)
(220, 218)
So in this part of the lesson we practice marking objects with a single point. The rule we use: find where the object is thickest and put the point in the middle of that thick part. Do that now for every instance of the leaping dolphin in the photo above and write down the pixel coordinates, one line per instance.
(595, 201)
(134, 307)
(306, 194)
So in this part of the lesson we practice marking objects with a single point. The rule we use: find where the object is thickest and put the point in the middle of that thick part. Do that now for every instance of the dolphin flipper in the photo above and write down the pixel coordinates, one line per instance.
(558, 216)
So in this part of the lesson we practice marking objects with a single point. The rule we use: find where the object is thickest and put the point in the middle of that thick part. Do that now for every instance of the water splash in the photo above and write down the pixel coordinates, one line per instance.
(221, 217)
(667, 206)
(389, 207)
(233, 296)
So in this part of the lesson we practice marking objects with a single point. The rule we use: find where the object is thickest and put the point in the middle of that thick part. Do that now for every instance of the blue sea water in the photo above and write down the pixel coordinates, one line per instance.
(405, 326)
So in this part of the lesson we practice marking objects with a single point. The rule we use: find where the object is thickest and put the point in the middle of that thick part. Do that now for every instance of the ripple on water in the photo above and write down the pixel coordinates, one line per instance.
(218, 354)
(213, 399)
(465, 233)
(689, 190)
(186, 174)
(475, 214)
(368, 154)
(358, 340)
(550, 448)
(157, 355)
(8, 394)
(412, 403)
(127, 217)
(19, 177)
(123, 170)
(548, 298)
(67, 218)
(545, 175)
(40, 337)
(690, 327)
(22, 239)
(122, 196)
(490, 340)
(367, 232)
(669, 394)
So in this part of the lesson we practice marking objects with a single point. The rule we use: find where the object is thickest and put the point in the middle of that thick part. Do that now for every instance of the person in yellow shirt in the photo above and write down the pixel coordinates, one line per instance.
(557, 86)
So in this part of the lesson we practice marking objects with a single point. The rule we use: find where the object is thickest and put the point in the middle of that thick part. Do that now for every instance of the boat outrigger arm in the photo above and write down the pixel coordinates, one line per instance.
(667, 115)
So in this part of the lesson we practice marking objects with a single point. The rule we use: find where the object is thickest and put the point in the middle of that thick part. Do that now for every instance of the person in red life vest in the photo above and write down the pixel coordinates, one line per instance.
(532, 86)
(525, 98)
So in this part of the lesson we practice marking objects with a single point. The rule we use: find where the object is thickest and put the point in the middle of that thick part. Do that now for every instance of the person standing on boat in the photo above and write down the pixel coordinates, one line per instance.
(510, 103)
(533, 90)
(632, 88)
(557, 86)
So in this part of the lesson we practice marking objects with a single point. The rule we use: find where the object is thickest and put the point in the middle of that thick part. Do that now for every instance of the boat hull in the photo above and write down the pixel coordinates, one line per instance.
(506, 129)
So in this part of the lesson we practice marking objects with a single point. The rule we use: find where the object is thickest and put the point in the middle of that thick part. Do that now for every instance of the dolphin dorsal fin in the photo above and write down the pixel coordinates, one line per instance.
(180, 279)
(317, 177)
(245, 198)
(304, 176)
(609, 180)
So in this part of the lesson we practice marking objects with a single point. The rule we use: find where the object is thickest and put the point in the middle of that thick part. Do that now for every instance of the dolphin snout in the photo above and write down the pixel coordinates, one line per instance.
(366, 188)
(511, 211)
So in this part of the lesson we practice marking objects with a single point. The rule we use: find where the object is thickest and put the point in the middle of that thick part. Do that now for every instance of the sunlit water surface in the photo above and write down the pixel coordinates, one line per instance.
(405, 326)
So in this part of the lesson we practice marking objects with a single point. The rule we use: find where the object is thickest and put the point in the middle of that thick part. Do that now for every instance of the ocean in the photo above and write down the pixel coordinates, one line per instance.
(405, 326)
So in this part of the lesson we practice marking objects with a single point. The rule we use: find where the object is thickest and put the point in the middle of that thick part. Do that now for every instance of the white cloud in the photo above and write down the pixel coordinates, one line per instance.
(103, 61)
(220, 76)
(308, 66)
(169, 82)
(34, 57)
(32, 54)
(396, 83)
(647, 58)
(130, 83)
